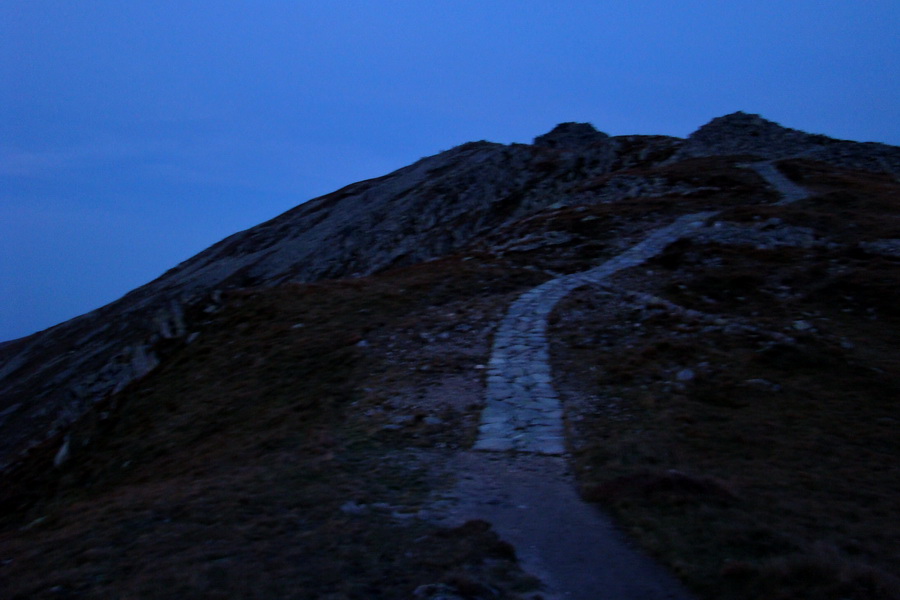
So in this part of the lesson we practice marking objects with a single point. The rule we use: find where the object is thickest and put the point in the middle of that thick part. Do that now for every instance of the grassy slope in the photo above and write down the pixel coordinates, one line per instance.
(772, 472)
(223, 473)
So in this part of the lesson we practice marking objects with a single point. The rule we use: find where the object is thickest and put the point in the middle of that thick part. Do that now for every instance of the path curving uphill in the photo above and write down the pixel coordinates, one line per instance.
(790, 191)
(517, 478)
(522, 412)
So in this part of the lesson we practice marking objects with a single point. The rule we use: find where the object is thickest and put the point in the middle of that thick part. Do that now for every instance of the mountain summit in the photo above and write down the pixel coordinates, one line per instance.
(702, 329)
(743, 133)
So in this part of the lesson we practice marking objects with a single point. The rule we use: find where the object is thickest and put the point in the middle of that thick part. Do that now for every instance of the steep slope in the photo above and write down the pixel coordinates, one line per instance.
(416, 213)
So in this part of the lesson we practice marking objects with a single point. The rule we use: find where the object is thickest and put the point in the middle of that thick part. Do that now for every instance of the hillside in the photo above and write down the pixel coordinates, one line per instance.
(699, 335)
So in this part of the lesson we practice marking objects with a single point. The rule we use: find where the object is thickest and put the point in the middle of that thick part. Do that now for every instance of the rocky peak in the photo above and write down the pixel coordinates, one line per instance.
(739, 121)
(745, 133)
(751, 134)
(571, 136)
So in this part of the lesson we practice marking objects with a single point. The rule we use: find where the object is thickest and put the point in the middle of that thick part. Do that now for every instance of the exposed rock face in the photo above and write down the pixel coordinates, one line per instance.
(431, 208)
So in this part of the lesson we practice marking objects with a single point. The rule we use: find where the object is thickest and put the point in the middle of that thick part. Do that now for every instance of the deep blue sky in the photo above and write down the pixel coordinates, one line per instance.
(133, 134)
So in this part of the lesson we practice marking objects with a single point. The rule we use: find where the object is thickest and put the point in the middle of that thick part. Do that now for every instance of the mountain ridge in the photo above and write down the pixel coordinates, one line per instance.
(428, 209)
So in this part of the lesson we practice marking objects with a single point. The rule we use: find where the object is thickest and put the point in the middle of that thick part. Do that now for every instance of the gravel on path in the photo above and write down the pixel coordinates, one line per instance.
(572, 546)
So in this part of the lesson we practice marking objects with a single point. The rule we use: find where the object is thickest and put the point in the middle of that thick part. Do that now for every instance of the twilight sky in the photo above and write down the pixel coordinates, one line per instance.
(135, 134)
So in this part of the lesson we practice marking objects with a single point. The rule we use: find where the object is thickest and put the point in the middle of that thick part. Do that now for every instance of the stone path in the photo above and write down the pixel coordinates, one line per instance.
(790, 191)
(522, 411)
(528, 493)
(519, 482)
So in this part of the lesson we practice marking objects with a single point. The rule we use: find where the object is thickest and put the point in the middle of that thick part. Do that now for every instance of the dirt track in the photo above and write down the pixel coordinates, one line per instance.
(574, 548)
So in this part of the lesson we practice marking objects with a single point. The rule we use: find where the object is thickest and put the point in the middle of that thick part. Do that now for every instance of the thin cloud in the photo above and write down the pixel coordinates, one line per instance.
(23, 162)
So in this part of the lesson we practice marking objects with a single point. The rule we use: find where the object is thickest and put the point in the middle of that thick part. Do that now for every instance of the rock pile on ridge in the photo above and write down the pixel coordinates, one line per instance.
(743, 133)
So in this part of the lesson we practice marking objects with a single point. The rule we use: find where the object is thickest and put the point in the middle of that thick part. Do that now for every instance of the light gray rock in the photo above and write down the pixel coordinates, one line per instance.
(352, 508)
(888, 247)
(685, 375)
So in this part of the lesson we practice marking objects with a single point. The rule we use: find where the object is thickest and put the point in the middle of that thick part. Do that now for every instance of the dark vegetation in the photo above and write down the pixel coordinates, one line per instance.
(228, 471)
(768, 469)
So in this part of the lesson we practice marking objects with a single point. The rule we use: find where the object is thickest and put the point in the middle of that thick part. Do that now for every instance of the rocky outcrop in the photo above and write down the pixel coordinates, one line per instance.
(51, 380)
